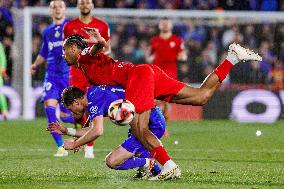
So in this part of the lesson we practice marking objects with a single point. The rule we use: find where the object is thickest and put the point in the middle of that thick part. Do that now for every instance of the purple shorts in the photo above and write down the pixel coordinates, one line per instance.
(157, 126)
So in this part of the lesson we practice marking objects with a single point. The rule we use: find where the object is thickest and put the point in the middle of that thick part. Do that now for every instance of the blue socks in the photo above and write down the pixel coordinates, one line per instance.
(51, 118)
(68, 119)
(131, 163)
(140, 161)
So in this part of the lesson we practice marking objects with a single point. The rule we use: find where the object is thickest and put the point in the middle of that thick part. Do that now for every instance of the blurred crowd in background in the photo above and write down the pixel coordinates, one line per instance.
(205, 45)
(264, 5)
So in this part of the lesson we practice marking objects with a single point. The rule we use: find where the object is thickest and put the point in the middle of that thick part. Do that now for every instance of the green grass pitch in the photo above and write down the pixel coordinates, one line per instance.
(211, 154)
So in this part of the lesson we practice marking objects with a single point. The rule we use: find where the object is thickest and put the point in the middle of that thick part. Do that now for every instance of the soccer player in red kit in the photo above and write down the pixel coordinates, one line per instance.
(143, 83)
(76, 26)
(165, 50)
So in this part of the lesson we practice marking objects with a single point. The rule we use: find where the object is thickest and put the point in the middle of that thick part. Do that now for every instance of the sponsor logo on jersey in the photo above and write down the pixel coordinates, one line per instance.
(94, 109)
(55, 44)
(117, 89)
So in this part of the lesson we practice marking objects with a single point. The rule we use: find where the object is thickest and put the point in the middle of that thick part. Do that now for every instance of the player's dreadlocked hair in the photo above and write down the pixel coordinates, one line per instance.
(69, 94)
(78, 40)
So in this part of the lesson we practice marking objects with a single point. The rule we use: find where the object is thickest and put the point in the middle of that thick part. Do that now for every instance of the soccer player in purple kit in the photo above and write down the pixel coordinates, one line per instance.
(131, 153)
(57, 73)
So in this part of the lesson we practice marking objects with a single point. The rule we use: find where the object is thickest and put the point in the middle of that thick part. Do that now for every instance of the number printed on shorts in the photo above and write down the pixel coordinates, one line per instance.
(47, 86)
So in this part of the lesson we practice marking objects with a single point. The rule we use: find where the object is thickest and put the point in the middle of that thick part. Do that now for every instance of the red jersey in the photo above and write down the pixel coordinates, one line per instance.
(103, 70)
(165, 53)
(75, 26)
(142, 82)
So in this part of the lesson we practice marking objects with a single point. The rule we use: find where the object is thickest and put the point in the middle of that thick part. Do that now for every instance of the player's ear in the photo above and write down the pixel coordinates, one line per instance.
(74, 48)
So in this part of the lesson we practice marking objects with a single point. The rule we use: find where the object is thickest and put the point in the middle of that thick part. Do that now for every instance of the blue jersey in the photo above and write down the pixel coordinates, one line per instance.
(51, 51)
(100, 97)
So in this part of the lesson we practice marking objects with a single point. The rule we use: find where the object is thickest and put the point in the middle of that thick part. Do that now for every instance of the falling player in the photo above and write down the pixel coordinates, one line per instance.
(96, 101)
(164, 51)
(144, 83)
(75, 26)
(57, 73)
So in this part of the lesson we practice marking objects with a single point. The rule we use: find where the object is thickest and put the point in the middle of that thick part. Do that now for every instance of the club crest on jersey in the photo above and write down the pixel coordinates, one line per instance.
(84, 52)
(57, 34)
(172, 44)
(94, 109)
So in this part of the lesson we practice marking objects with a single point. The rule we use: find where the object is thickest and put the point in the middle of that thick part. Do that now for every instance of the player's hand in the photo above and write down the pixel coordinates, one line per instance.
(33, 69)
(4, 74)
(69, 144)
(57, 128)
(94, 36)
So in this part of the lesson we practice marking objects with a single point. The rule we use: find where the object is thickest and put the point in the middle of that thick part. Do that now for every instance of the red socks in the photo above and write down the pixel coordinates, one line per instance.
(223, 69)
(160, 154)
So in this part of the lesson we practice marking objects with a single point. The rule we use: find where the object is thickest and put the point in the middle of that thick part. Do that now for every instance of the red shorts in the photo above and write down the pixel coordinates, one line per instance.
(147, 82)
(78, 79)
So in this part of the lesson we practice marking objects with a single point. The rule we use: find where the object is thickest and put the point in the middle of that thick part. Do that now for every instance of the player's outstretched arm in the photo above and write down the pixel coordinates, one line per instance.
(95, 38)
(95, 131)
(60, 129)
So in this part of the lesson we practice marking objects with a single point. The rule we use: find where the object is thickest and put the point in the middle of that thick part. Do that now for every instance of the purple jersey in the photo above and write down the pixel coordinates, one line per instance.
(57, 71)
(99, 99)
(51, 51)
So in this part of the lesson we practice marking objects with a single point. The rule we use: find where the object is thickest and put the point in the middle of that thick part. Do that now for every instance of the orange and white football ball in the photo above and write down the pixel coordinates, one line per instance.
(121, 112)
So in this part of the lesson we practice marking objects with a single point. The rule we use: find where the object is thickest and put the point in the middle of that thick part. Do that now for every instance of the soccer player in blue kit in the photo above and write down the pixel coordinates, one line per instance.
(57, 72)
(96, 103)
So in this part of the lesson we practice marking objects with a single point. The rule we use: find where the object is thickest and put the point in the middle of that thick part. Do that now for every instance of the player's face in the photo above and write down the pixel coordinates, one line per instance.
(85, 6)
(77, 108)
(57, 9)
(165, 25)
(70, 54)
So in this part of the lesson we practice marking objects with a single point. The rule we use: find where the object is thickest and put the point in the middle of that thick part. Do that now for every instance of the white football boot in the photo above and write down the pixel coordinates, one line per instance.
(237, 53)
(89, 152)
(145, 171)
(169, 171)
(61, 152)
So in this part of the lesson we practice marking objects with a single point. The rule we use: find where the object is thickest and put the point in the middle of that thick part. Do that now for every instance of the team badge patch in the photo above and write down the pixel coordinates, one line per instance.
(57, 34)
(172, 44)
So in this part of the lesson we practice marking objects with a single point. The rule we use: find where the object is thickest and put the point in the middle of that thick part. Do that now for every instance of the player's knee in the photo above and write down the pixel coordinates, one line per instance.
(110, 161)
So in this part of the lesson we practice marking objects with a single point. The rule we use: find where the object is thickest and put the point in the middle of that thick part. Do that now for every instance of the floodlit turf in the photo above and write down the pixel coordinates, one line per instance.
(211, 154)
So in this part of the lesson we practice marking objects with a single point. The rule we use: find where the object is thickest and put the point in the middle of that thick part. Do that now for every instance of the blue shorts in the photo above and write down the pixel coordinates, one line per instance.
(53, 88)
(157, 126)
